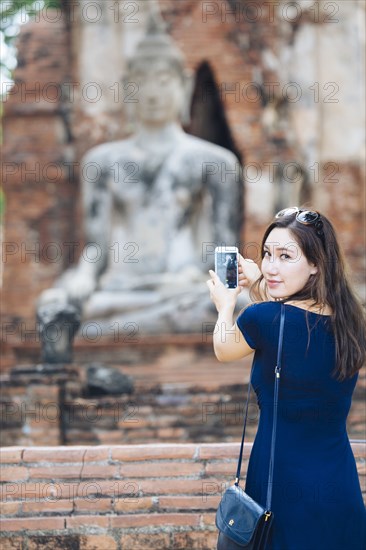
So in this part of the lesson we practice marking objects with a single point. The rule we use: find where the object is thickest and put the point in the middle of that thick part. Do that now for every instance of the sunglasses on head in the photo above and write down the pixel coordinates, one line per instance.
(306, 217)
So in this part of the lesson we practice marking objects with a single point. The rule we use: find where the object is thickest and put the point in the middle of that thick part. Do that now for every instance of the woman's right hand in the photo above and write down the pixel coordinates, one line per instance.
(248, 271)
(222, 297)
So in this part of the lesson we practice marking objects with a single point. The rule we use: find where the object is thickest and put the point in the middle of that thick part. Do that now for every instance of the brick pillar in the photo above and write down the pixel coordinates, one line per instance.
(38, 170)
(32, 404)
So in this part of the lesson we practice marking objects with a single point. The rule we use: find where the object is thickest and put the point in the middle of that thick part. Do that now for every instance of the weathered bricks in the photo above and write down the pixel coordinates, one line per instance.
(161, 469)
(45, 414)
(32, 524)
(150, 452)
(14, 473)
(14, 543)
(142, 541)
(98, 542)
(166, 498)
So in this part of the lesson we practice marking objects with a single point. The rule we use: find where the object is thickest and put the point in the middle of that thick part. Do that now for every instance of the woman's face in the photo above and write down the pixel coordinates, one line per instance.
(284, 266)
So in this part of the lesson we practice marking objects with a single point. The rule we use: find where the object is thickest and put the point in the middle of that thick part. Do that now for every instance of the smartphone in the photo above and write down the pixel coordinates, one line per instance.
(226, 265)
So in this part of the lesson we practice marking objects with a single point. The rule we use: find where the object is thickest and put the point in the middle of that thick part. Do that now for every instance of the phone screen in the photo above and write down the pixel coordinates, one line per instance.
(227, 268)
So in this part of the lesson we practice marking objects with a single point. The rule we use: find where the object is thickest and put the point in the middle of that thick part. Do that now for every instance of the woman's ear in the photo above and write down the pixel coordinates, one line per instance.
(314, 269)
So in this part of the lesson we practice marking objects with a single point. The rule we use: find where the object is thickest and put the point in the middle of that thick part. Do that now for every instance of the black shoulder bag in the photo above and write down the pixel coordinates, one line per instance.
(242, 522)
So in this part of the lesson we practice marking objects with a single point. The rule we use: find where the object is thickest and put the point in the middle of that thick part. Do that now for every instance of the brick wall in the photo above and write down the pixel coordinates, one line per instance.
(37, 179)
(118, 498)
(37, 174)
(45, 129)
(189, 399)
(181, 395)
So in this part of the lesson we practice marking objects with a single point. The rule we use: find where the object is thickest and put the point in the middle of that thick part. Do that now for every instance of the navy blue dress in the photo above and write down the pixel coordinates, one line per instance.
(316, 499)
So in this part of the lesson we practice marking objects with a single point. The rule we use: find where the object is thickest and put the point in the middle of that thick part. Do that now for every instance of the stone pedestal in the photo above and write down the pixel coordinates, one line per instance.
(180, 393)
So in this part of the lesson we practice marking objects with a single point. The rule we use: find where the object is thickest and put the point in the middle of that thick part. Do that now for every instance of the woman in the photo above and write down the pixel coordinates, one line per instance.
(316, 499)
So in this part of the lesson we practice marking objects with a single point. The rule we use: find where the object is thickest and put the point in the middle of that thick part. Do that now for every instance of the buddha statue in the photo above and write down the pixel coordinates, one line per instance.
(155, 206)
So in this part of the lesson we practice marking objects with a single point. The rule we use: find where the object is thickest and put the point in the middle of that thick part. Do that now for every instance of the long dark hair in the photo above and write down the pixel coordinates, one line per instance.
(329, 286)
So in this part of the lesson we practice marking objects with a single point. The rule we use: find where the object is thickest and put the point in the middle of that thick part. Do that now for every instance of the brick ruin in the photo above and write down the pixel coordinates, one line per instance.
(298, 128)
(296, 125)
(51, 117)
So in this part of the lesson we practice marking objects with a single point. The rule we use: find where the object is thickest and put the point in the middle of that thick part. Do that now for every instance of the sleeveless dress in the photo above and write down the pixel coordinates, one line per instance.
(316, 498)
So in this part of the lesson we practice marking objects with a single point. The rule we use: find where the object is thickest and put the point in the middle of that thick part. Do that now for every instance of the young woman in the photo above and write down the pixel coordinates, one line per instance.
(316, 499)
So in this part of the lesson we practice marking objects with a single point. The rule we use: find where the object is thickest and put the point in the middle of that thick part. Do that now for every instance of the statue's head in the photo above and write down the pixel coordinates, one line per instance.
(157, 70)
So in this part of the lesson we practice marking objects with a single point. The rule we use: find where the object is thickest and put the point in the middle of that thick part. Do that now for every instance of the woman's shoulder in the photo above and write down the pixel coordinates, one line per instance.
(257, 320)
(260, 310)
(324, 311)
(270, 305)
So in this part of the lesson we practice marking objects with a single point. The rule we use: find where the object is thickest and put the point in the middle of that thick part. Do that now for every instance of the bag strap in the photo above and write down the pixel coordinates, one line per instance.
(274, 424)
